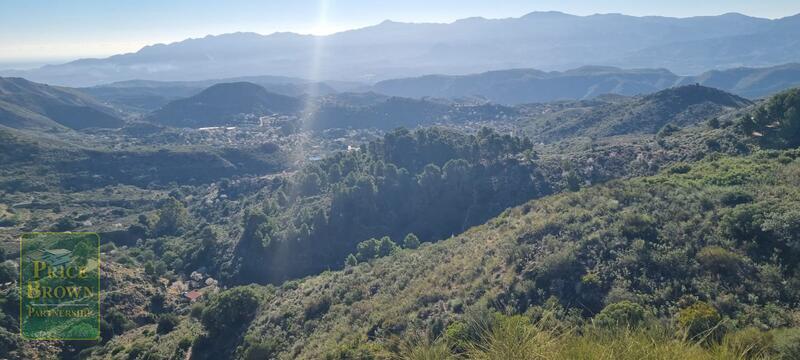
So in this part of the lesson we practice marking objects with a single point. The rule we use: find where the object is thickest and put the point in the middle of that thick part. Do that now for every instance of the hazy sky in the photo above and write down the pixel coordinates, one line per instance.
(49, 30)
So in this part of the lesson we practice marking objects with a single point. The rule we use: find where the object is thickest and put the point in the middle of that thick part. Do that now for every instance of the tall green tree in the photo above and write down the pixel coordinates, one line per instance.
(172, 218)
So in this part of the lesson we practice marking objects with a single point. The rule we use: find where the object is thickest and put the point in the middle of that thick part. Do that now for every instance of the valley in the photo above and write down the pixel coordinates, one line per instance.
(538, 187)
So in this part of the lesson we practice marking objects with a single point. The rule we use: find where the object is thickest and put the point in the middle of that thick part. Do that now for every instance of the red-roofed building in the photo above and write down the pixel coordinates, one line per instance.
(193, 295)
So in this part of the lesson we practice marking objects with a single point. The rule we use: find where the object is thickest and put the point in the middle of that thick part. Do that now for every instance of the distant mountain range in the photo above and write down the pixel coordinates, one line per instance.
(528, 86)
(541, 40)
(28, 105)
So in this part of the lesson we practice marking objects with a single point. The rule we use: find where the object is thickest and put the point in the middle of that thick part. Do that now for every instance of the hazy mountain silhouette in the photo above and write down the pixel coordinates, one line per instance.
(751, 82)
(527, 86)
(149, 95)
(542, 40)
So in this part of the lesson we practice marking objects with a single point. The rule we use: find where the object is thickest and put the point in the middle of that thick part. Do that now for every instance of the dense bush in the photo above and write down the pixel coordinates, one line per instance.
(230, 311)
(411, 241)
(621, 314)
(700, 322)
(718, 260)
(777, 122)
(172, 218)
(167, 323)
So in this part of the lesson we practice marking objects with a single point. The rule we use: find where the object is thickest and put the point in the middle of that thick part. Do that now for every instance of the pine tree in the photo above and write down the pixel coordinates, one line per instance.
(351, 261)
(411, 241)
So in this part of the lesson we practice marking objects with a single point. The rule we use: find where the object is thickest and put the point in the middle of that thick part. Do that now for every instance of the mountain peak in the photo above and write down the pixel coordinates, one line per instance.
(547, 14)
(696, 94)
(223, 105)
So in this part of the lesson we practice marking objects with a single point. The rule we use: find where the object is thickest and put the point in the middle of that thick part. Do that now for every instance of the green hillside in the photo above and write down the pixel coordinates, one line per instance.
(28, 105)
(224, 104)
(678, 107)
(714, 235)
(641, 245)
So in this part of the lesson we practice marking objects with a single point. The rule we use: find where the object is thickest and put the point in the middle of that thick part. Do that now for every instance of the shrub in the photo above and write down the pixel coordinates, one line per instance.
(157, 303)
(185, 343)
(699, 321)
(351, 260)
(638, 226)
(667, 130)
(119, 322)
(8, 342)
(743, 223)
(167, 323)
(230, 311)
(66, 223)
(172, 218)
(778, 120)
(457, 336)
(316, 307)
(107, 247)
(8, 221)
(258, 349)
(680, 168)
(374, 248)
(785, 227)
(411, 241)
(196, 311)
(386, 247)
(8, 272)
(138, 350)
(734, 198)
(367, 250)
(717, 260)
(623, 313)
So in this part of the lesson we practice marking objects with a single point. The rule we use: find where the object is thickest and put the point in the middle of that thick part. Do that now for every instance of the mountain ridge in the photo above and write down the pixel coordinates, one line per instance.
(518, 86)
(550, 41)
(647, 114)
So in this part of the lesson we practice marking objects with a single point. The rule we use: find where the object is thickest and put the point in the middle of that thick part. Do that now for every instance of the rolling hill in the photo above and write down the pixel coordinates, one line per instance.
(237, 103)
(557, 262)
(679, 106)
(149, 95)
(223, 104)
(28, 105)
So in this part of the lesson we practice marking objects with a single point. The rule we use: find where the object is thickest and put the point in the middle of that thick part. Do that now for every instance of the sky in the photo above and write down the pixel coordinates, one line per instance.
(34, 32)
